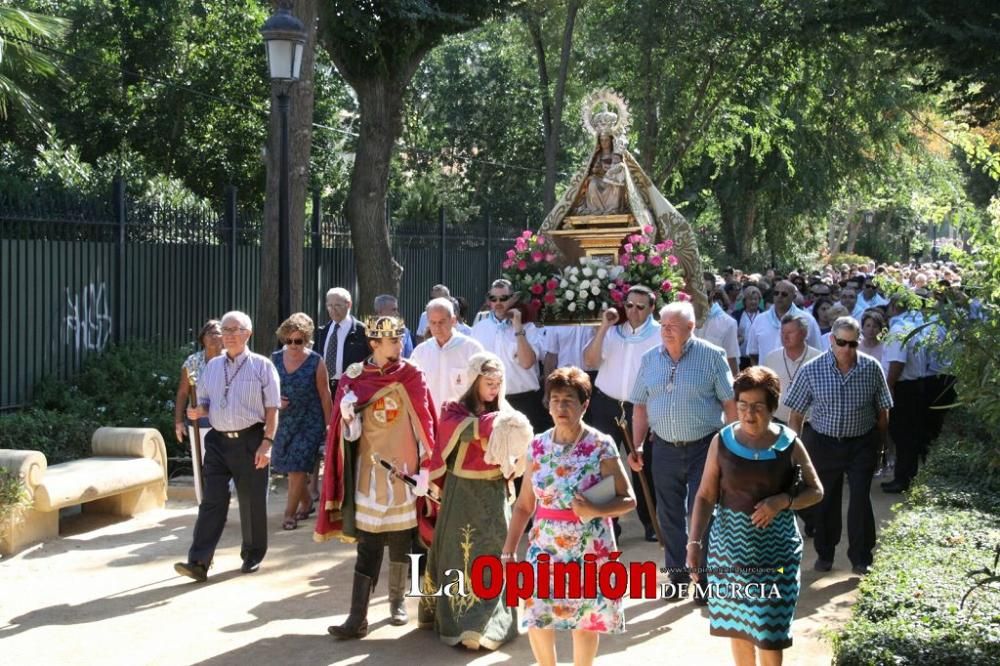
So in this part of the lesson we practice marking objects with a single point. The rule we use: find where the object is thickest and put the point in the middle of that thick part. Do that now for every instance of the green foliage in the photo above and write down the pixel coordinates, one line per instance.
(909, 608)
(132, 385)
(849, 259)
(13, 496)
(21, 61)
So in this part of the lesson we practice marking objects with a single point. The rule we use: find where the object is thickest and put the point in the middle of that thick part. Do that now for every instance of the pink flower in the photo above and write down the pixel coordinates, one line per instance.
(660, 247)
(628, 247)
(521, 245)
(507, 263)
(522, 265)
(540, 240)
(682, 296)
(550, 257)
(625, 259)
(617, 296)
(526, 234)
(552, 284)
(640, 258)
(668, 243)
(656, 260)
(648, 229)
(536, 289)
(672, 260)
(667, 285)
(635, 238)
(537, 256)
(620, 282)
(536, 304)
(550, 297)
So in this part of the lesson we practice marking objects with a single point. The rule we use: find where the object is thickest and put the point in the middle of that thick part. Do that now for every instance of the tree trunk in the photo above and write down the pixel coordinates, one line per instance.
(300, 115)
(380, 104)
(853, 228)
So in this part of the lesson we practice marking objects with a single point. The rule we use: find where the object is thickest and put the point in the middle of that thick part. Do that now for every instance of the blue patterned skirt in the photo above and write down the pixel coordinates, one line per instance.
(755, 578)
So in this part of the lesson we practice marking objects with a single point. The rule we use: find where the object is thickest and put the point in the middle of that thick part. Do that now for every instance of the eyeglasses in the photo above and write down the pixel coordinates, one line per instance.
(757, 407)
(853, 344)
(296, 342)
(232, 331)
(502, 299)
(638, 306)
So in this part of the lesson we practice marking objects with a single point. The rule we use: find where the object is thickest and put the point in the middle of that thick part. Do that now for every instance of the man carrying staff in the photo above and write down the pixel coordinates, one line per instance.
(239, 392)
(382, 408)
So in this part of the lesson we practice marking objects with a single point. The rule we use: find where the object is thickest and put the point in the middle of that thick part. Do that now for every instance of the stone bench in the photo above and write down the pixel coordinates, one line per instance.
(126, 475)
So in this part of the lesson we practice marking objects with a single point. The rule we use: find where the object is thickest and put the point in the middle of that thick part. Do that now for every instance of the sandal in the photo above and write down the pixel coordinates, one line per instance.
(290, 524)
(304, 515)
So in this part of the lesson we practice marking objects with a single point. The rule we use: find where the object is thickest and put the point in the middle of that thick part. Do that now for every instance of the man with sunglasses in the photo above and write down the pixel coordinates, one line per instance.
(869, 297)
(765, 333)
(519, 345)
(617, 352)
(848, 402)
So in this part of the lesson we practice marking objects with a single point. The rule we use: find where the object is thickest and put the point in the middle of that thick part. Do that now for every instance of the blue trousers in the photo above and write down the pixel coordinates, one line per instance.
(677, 474)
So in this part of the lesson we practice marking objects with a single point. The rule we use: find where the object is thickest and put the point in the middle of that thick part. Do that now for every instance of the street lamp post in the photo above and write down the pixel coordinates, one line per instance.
(284, 40)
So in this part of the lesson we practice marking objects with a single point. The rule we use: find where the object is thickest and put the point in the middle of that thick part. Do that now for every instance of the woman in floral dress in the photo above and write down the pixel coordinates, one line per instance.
(566, 461)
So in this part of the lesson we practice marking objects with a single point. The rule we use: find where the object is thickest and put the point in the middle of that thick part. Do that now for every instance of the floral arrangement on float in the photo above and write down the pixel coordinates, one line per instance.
(579, 293)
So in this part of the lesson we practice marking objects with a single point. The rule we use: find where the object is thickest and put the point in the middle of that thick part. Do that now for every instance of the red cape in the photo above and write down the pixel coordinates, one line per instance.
(455, 418)
(335, 517)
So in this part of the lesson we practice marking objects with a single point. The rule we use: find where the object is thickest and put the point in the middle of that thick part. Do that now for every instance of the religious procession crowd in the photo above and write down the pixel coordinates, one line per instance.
(415, 440)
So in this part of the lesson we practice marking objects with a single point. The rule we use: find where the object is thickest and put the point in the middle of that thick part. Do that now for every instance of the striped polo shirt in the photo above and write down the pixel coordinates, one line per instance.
(253, 387)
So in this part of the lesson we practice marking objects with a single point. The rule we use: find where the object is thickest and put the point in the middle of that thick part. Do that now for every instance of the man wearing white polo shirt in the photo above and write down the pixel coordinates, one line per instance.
(520, 346)
(444, 356)
(617, 352)
(765, 333)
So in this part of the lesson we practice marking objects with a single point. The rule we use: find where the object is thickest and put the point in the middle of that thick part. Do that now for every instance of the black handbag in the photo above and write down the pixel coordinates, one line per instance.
(795, 484)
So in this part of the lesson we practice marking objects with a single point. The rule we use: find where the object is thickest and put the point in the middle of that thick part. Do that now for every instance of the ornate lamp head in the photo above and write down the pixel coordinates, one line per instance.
(385, 326)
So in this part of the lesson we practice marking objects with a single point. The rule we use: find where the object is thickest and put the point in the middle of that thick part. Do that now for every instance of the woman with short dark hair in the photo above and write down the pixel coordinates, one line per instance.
(756, 473)
(566, 461)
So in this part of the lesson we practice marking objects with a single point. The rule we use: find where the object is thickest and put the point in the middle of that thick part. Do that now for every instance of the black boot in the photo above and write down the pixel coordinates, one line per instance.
(397, 593)
(356, 625)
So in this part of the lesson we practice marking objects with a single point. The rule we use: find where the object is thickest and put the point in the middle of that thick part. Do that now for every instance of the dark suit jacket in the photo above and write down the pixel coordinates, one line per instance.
(355, 345)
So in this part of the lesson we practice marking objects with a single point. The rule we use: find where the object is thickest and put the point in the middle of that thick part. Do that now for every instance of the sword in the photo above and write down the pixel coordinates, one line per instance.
(630, 448)
(196, 461)
(405, 478)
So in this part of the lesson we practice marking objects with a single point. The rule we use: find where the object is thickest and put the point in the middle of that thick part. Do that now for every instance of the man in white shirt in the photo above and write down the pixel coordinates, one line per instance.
(765, 333)
(564, 347)
(721, 330)
(616, 351)
(444, 356)
(787, 360)
(519, 346)
(870, 298)
(437, 291)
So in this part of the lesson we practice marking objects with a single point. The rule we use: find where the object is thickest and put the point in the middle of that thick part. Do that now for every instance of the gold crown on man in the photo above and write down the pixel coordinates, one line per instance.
(385, 326)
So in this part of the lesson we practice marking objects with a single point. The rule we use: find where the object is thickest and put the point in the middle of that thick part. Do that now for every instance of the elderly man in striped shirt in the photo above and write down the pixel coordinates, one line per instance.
(682, 392)
(239, 392)
(849, 419)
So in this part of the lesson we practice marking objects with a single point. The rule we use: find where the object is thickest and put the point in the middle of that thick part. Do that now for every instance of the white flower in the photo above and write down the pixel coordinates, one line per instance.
(571, 307)
(601, 273)
(591, 305)
(583, 261)
(583, 294)
(574, 278)
(563, 284)
(616, 271)
(588, 271)
(570, 295)
(585, 284)
(604, 305)
(595, 290)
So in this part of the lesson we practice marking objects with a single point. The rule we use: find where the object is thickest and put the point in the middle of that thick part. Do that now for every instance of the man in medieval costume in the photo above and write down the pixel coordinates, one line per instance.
(382, 412)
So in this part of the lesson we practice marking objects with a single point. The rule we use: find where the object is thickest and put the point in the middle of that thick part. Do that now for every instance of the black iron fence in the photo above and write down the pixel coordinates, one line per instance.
(80, 274)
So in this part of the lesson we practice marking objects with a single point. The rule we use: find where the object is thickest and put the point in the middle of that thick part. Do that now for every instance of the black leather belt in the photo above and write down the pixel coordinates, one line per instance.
(236, 434)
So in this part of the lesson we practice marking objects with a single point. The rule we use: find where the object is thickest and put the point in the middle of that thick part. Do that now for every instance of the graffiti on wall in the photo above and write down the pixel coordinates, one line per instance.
(88, 317)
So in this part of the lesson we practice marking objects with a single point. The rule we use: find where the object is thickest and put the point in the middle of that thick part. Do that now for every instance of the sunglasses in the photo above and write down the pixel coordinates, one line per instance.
(853, 344)
(296, 342)
(502, 299)
(639, 306)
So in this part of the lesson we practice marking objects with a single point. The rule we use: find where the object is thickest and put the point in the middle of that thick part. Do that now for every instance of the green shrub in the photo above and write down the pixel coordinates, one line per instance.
(851, 260)
(132, 385)
(909, 607)
(13, 495)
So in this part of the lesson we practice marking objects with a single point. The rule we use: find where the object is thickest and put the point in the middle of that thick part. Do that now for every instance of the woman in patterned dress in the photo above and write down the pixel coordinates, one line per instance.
(750, 482)
(564, 462)
(305, 411)
(210, 339)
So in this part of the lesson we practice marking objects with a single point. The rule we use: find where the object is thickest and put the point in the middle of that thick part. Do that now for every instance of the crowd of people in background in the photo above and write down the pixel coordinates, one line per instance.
(791, 383)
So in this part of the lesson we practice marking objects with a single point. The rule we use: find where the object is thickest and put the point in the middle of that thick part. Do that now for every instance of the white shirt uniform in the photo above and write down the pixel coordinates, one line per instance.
(621, 357)
(765, 334)
(445, 367)
(720, 329)
(743, 329)
(878, 300)
(786, 369)
(498, 337)
(568, 343)
(912, 353)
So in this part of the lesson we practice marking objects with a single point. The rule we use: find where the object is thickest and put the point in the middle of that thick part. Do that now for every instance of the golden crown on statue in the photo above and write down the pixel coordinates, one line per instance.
(385, 326)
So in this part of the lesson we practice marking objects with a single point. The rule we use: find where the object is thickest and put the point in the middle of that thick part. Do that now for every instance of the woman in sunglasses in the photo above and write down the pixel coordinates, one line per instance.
(305, 411)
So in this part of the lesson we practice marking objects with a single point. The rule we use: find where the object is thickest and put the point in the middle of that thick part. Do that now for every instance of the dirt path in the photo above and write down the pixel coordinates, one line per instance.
(106, 593)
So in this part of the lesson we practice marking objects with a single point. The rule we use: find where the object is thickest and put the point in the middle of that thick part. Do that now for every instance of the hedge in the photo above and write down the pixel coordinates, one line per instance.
(909, 606)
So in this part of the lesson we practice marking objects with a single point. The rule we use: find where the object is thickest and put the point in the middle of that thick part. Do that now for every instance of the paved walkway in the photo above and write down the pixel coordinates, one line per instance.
(106, 593)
